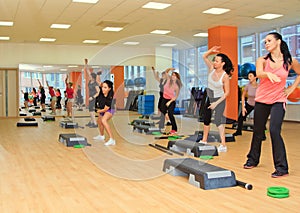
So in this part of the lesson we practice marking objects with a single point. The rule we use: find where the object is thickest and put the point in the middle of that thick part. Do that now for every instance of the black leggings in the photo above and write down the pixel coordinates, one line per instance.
(241, 119)
(219, 111)
(170, 110)
(261, 114)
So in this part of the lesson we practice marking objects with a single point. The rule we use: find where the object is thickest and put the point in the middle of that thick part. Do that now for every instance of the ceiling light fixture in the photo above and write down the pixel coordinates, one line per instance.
(269, 16)
(168, 45)
(48, 39)
(60, 26)
(216, 11)
(6, 23)
(162, 32)
(4, 38)
(201, 35)
(113, 29)
(131, 43)
(156, 5)
(86, 1)
(90, 41)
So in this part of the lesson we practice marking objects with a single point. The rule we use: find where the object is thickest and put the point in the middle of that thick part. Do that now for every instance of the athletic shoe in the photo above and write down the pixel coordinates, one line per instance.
(110, 142)
(88, 124)
(43, 110)
(93, 126)
(99, 137)
(237, 133)
(202, 142)
(278, 174)
(222, 148)
(248, 166)
(173, 132)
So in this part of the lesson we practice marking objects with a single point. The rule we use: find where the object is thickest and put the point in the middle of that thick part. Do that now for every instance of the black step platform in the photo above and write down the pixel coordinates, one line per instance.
(214, 136)
(37, 113)
(143, 122)
(201, 174)
(68, 124)
(70, 140)
(48, 118)
(27, 122)
(193, 148)
(145, 128)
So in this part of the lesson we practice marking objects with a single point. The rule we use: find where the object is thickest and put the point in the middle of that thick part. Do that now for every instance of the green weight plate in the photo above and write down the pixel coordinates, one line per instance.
(278, 190)
(206, 157)
(277, 195)
(78, 146)
(156, 133)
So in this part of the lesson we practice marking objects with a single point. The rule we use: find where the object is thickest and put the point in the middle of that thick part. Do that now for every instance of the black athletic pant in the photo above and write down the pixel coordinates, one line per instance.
(261, 114)
(241, 119)
(170, 110)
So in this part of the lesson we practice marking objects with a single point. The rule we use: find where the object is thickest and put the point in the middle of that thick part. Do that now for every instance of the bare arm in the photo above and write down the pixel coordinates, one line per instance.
(86, 67)
(167, 72)
(243, 102)
(209, 63)
(155, 74)
(296, 66)
(47, 84)
(39, 82)
(260, 73)
(66, 80)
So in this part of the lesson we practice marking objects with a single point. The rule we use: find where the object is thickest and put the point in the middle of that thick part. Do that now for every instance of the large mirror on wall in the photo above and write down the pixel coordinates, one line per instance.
(36, 79)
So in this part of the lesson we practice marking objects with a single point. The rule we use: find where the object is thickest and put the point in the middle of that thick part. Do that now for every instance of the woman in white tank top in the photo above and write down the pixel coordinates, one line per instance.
(218, 89)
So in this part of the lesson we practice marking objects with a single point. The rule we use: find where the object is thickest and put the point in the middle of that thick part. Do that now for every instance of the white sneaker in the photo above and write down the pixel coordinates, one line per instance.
(110, 142)
(99, 137)
(222, 148)
(202, 142)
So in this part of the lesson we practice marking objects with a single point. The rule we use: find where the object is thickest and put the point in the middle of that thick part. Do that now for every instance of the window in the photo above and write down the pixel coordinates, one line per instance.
(248, 49)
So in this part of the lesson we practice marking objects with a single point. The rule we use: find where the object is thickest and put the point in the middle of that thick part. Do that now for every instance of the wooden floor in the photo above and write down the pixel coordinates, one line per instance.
(39, 174)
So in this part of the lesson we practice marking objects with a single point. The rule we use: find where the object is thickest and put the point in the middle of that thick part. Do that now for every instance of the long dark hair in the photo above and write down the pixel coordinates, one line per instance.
(284, 49)
(228, 66)
(178, 80)
(111, 86)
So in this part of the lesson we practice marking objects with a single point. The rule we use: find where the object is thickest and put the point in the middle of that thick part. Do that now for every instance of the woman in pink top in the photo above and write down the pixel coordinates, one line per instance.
(70, 96)
(168, 102)
(271, 97)
(247, 105)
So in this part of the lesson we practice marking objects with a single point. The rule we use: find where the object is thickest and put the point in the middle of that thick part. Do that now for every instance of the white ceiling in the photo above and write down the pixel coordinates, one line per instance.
(32, 19)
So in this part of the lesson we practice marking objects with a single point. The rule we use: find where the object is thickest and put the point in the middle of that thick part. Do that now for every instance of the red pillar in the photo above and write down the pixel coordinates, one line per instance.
(118, 72)
(227, 38)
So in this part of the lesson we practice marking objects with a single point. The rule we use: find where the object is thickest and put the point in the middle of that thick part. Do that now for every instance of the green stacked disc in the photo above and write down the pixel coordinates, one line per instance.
(278, 192)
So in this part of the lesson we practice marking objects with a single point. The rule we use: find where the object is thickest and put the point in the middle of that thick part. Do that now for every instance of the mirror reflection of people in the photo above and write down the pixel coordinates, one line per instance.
(270, 102)
(79, 98)
(70, 96)
(218, 90)
(93, 92)
(53, 98)
(43, 96)
(162, 81)
(26, 99)
(170, 94)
